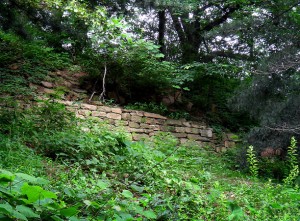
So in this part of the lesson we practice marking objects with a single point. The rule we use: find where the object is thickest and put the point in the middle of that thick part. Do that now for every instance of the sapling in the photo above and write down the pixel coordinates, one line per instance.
(252, 161)
(293, 168)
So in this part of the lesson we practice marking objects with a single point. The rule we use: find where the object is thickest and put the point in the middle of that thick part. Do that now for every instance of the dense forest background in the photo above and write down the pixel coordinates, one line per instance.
(234, 62)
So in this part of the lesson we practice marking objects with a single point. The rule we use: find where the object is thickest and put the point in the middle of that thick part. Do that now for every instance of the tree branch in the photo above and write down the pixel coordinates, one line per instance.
(101, 97)
(228, 12)
(178, 26)
(288, 129)
(226, 54)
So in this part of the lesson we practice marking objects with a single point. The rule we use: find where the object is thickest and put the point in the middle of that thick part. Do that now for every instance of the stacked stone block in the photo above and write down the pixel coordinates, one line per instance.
(143, 124)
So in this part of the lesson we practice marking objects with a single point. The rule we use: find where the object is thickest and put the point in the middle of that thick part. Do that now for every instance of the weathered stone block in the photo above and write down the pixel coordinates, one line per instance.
(195, 131)
(104, 109)
(180, 135)
(180, 129)
(159, 121)
(111, 122)
(114, 116)
(157, 116)
(139, 113)
(195, 125)
(154, 127)
(229, 144)
(89, 107)
(183, 140)
(174, 122)
(116, 110)
(80, 116)
(136, 118)
(204, 139)
(48, 91)
(98, 114)
(136, 130)
(126, 116)
(47, 84)
(165, 129)
(139, 136)
(186, 124)
(145, 126)
(134, 125)
(194, 137)
(97, 103)
(206, 133)
(72, 109)
(149, 120)
(85, 113)
(67, 103)
(122, 123)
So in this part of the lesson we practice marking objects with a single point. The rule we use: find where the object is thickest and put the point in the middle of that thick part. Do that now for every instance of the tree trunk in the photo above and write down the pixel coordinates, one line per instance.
(161, 30)
(101, 97)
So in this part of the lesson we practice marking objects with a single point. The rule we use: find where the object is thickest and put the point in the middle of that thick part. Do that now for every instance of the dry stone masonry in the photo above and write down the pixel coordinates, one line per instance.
(139, 123)
(143, 124)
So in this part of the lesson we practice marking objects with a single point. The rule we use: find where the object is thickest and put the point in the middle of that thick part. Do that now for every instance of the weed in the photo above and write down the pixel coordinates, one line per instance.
(252, 161)
(100, 174)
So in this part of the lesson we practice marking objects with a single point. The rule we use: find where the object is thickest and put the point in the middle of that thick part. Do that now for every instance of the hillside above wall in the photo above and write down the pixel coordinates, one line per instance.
(64, 87)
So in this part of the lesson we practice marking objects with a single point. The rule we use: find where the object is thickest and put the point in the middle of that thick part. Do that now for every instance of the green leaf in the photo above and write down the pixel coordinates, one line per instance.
(19, 216)
(127, 194)
(137, 188)
(102, 185)
(56, 218)
(9, 210)
(6, 176)
(237, 212)
(35, 193)
(27, 177)
(149, 214)
(69, 212)
(87, 202)
(276, 206)
(26, 211)
(6, 192)
(73, 218)
(6, 208)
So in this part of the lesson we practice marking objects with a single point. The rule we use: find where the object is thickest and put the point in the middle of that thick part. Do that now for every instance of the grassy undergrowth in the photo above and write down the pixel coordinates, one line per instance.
(56, 167)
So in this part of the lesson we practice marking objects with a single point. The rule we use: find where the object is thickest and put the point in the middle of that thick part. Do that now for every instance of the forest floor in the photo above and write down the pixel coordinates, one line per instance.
(90, 172)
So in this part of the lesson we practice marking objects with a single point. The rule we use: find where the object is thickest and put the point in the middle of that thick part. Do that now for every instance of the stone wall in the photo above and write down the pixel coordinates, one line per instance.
(140, 124)
(143, 124)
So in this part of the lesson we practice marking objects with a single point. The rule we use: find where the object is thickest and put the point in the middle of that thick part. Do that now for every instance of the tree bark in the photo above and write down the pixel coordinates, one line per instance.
(101, 97)
(161, 30)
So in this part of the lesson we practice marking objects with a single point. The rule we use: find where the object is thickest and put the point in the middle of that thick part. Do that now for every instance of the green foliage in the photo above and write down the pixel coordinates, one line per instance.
(293, 175)
(158, 109)
(22, 197)
(292, 156)
(252, 161)
(211, 88)
(272, 99)
(292, 161)
(23, 62)
(98, 173)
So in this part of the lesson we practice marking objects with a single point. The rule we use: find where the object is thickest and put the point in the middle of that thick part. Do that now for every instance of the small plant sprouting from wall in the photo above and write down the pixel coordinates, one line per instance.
(292, 161)
(252, 161)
